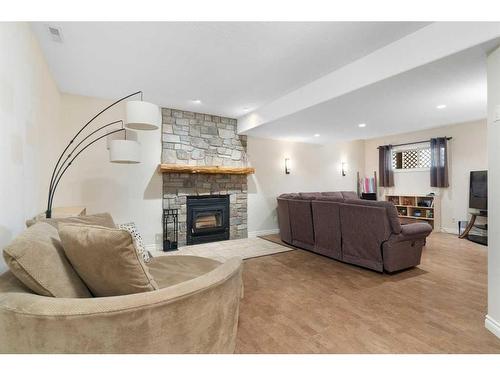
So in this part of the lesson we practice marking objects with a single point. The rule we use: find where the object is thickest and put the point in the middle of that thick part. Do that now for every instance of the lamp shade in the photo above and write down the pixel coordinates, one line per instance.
(142, 115)
(124, 151)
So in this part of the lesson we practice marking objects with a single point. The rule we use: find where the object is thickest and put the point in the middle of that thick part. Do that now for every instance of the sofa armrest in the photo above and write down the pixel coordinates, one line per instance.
(196, 316)
(410, 232)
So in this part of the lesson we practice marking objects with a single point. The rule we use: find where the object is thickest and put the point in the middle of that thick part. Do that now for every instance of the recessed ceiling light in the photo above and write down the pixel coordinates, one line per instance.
(317, 135)
(246, 109)
(361, 125)
(55, 33)
(441, 106)
(196, 101)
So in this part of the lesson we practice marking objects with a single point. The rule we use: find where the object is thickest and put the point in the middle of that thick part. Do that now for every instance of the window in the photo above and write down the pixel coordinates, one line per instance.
(411, 159)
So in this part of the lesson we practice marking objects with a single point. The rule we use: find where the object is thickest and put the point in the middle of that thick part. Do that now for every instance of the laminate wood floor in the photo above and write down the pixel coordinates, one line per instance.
(300, 302)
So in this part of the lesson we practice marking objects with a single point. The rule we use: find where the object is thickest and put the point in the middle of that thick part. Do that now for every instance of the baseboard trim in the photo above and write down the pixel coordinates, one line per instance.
(450, 231)
(266, 232)
(492, 325)
(153, 247)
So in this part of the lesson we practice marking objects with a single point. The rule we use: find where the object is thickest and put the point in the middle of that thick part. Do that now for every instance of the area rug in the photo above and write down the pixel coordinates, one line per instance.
(244, 248)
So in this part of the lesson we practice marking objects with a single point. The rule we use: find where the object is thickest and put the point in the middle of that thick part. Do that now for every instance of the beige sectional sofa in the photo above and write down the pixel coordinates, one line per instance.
(195, 310)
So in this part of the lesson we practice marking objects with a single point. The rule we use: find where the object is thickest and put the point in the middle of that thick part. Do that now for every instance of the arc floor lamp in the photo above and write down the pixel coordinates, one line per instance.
(140, 115)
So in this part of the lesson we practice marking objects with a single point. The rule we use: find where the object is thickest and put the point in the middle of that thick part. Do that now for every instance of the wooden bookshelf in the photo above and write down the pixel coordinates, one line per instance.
(417, 208)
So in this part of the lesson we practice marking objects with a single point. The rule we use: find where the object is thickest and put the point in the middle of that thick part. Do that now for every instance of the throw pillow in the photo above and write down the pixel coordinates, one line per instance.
(139, 243)
(106, 260)
(37, 259)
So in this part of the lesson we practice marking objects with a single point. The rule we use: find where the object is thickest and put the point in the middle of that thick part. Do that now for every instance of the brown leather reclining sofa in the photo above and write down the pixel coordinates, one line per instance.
(341, 226)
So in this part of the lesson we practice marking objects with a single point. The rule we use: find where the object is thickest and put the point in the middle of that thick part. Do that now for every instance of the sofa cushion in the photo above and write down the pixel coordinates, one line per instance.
(331, 198)
(364, 228)
(106, 260)
(284, 220)
(289, 196)
(309, 196)
(11, 284)
(332, 194)
(326, 222)
(301, 223)
(103, 220)
(170, 270)
(392, 212)
(349, 195)
(36, 257)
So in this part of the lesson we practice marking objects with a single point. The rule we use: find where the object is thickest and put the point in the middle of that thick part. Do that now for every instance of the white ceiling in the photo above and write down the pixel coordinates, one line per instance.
(403, 103)
(229, 66)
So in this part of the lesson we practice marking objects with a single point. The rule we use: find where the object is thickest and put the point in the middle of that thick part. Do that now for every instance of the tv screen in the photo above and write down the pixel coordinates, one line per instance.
(478, 197)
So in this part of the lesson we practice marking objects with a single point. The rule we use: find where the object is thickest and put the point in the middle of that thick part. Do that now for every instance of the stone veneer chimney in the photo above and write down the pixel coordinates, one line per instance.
(202, 139)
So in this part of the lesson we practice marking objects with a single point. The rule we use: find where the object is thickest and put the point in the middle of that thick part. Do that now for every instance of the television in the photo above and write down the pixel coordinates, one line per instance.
(478, 195)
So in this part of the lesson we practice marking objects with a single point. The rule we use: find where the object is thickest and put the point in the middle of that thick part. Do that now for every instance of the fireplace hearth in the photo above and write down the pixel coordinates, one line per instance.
(207, 218)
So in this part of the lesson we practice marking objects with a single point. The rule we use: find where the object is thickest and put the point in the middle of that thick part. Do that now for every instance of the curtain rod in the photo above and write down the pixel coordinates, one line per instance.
(414, 143)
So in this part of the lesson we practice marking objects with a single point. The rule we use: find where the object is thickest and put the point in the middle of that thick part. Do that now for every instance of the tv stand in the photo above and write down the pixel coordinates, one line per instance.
(483, 240)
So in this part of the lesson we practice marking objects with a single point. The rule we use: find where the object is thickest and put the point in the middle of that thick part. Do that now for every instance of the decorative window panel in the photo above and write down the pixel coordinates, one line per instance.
(410, 159)
(425, 158)
(416, 158)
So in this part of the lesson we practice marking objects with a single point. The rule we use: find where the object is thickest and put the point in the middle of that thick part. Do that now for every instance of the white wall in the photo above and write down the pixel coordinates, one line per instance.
(133, 192)
(37, 121)
(313, 168)
(467, 152)
(29, 107)
(493, 318)
(130, 192)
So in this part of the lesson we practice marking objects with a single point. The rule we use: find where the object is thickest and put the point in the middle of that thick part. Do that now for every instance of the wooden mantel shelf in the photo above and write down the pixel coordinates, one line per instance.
(206, 169)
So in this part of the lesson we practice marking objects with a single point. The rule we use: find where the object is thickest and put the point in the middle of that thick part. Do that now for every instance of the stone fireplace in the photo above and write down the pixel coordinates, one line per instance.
(198, 139)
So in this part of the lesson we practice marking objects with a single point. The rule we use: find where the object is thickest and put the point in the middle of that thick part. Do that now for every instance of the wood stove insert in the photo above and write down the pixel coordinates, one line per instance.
(207, 218)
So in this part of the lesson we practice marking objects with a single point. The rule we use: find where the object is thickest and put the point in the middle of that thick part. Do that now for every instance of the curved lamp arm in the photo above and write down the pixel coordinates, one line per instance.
(61, 166)
(51, 197)
(58, 170)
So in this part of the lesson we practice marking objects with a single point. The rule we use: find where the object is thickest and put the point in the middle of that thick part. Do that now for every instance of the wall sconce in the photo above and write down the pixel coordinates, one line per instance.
(344, 169)
(287, 166)
(496, 116)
